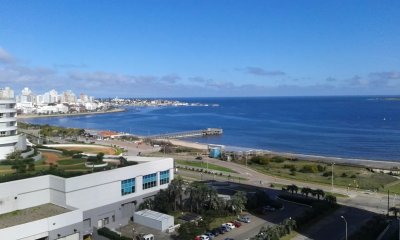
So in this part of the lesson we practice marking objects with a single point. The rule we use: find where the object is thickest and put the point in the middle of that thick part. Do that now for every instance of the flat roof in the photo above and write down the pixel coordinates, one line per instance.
(153, 215)
(30, 214)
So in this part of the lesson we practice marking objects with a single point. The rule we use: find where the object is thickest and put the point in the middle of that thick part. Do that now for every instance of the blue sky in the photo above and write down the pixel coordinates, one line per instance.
(201, 48)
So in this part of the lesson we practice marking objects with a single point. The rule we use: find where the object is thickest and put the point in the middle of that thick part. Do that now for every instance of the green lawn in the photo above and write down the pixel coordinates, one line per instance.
(393, 187)
(70, 161)
(201, 164)
(343, 175)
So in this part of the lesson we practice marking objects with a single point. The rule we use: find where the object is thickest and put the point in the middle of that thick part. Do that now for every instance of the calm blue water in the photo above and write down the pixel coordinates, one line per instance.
(356, 127)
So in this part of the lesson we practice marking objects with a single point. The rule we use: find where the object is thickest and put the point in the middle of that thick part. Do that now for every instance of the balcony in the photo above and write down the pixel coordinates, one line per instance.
(8, 119)
(9, 139)
(7, 100)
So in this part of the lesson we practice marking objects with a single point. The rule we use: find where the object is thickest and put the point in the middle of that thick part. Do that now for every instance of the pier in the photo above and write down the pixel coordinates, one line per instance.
(186, 134)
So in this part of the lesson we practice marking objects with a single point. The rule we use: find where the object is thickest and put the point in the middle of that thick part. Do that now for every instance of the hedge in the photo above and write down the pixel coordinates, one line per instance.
(111, 235)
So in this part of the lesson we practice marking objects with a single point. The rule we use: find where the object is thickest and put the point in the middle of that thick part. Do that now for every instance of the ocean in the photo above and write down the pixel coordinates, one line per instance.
(348, 127)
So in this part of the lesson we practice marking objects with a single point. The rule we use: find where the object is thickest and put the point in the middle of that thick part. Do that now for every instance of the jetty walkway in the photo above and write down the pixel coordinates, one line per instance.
(186, 134)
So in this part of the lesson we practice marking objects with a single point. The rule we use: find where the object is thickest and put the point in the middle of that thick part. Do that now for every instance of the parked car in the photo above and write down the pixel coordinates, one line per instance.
(244, 218)
(216, 231)
(225, 228)
(199, 158)
(229, 239)
(210, 235)
(229, 225)
(236, 223)
(204, 237)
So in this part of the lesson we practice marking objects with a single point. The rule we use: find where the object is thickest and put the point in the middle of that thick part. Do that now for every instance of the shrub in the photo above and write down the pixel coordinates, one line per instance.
(327, 174)
(110, 234)
(263, 160)
(278, 159)
(353, 176)
(321, 168)
(309, 169)
(344, 175)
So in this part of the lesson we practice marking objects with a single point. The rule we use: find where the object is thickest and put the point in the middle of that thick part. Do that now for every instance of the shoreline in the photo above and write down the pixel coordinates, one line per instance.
(30, 116)
(380, 164)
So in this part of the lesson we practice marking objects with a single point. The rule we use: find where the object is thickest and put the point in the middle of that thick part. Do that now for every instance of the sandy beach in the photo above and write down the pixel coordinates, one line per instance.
(348, 161)
(27, 116)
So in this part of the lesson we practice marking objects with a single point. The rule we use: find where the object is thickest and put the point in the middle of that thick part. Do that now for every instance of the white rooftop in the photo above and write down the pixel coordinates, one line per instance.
(153, 215)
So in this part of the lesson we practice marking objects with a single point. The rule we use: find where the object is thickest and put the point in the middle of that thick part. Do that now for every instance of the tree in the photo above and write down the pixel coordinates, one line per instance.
(176, 191)
(238, 201)
(292, 188)
(319, 193)
(331, 199)
(305, 191)
(100, 156)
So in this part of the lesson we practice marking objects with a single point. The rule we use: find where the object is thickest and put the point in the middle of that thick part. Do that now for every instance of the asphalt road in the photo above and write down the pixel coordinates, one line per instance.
(374, 202)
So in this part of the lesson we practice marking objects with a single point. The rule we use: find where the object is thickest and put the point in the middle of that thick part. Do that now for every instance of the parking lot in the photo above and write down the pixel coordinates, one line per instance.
(248, 230)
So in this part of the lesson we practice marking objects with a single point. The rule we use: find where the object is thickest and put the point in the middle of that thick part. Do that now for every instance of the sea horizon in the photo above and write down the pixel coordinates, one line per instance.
(356, 127)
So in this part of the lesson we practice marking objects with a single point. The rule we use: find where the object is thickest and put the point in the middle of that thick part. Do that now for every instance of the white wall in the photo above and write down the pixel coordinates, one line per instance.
(83, 192)
(102, 188)
(42, 226)
(24, 193)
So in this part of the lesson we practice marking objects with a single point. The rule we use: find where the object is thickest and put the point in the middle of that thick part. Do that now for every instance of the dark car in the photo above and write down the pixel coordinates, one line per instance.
(216, 231)
(199, 158)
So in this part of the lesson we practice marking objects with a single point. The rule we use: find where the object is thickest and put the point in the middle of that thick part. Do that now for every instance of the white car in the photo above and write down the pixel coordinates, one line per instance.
(229, 225)
(204, 237)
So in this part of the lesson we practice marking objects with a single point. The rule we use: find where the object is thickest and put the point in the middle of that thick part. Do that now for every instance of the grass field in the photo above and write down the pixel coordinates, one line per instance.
(70, 161)
(201, 164)
(345, 176)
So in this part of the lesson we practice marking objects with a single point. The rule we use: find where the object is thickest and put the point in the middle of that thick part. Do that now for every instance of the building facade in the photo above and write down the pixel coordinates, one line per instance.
(103, 199)
(10, 140)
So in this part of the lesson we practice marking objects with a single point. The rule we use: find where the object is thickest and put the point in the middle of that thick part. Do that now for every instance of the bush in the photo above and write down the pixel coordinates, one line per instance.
(327, 174)
(110, 234)
(353, 176)
(278, 159)
(344, 175)
(321, 168)
(309, 169)
(263, 160)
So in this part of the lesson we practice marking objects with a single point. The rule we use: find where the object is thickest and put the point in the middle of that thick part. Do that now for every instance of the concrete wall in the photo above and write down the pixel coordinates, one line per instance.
(24, 193)
(102, 188)
(161, 225)
(63, 224)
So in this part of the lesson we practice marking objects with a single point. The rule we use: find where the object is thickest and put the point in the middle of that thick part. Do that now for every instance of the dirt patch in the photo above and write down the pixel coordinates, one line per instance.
(105, 150)
(51, 157)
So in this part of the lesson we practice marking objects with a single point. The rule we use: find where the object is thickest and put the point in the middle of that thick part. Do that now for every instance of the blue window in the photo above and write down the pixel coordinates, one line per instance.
(149, 181)
(127, 186)
(164, 177)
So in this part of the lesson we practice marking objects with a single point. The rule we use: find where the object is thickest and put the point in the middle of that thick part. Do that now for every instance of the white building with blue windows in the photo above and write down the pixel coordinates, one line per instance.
(74, 207)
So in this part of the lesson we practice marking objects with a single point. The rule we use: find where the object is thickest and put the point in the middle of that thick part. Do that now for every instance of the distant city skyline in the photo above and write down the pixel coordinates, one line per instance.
(201, 48)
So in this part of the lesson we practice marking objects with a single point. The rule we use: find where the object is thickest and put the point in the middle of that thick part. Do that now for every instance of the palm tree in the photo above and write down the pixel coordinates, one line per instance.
(394, 210)
(176, 189)
(319, 193)
(238, 201)
(305, 191)
(292, 188)
(331, 199)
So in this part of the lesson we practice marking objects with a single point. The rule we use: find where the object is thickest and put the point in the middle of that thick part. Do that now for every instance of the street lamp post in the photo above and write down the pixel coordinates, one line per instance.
(332, 176)
(344, 219)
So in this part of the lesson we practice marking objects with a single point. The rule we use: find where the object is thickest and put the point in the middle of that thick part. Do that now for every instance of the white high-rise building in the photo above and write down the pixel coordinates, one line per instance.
(10, 140)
